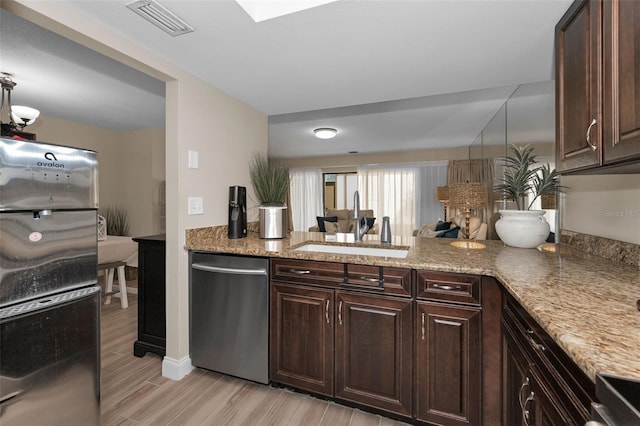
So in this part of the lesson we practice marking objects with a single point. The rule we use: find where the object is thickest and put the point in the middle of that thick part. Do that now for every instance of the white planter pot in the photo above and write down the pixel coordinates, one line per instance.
(522, 228)
(272, 221)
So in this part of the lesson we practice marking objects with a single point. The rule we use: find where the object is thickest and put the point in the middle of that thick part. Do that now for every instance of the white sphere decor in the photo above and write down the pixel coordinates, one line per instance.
(522, 228)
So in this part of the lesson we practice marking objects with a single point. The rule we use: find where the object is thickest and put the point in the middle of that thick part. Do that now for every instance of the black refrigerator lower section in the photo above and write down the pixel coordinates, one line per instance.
(50, 360)
(229, 315)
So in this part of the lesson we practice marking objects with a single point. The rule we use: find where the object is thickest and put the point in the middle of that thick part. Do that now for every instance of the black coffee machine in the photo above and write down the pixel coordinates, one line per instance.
(237, 212)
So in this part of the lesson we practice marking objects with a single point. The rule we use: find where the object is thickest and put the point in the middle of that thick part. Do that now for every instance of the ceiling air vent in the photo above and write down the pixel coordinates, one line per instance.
(160, 16)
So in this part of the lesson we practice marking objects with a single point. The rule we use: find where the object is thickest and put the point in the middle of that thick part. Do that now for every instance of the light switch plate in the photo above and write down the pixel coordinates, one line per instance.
(193, 159)
(196, 205)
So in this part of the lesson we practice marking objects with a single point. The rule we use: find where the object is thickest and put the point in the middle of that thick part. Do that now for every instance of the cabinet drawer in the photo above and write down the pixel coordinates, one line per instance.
(379, 279)
(448, 287)
(307, 272)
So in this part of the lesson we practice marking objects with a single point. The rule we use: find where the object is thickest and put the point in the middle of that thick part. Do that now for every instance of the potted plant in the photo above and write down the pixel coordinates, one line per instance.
(270, 182)
(523, 227)
(117, 220)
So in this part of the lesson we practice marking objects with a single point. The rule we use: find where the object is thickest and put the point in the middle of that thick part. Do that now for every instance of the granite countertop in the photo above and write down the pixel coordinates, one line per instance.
(586, 303)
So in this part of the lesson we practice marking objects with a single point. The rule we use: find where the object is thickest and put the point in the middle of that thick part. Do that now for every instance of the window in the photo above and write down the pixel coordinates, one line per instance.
(405, 193)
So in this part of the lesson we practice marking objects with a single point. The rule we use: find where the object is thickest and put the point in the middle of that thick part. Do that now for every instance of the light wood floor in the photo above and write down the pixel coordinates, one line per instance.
(133, 391)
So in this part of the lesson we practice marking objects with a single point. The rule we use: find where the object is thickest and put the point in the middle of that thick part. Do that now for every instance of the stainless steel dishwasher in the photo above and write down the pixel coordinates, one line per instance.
(229, 315)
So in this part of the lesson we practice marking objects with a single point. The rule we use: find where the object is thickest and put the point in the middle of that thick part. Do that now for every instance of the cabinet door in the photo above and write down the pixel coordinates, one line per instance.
(528, 399)
(448, 366)
(151, 299)
(621, 50)
(301, 337)
(516, 382)
(374, 350)
(543, 408)
(578, 87)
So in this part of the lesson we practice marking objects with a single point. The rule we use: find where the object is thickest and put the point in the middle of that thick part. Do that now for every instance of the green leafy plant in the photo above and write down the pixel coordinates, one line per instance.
(117, 220)
(270, 180)
(522, 177)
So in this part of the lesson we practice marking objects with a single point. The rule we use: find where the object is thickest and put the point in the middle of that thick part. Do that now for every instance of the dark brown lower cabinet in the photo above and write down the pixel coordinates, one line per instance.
(541, 385)
(371, 363)
(422, 345)
(374, 351)
(449, 363)
(528, 401)
(302, 337)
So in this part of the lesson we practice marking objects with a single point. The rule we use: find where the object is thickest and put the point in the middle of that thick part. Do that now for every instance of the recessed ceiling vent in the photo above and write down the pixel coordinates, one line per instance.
(160, 16)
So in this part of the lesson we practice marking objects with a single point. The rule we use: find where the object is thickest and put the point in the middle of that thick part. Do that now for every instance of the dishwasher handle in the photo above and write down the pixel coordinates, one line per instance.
(224, 270)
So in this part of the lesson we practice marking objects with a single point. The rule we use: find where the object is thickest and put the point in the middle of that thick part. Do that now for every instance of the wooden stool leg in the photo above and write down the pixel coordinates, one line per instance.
(108, 274)
(122, 284)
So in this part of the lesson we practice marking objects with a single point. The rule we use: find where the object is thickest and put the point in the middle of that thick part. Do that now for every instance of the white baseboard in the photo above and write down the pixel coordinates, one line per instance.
(176, 369)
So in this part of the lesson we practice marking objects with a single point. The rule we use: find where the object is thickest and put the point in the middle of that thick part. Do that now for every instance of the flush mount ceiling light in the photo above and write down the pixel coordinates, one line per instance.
(160, 16)
(19, 116)
(325, 133)
(261, 10)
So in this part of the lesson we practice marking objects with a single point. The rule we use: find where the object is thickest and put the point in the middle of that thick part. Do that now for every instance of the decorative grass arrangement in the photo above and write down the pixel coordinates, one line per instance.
(117, 220)
(521, 177)
(270, 180)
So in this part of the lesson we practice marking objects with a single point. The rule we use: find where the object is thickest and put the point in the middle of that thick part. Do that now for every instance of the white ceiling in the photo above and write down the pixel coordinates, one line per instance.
(65, 80)
(451, 63)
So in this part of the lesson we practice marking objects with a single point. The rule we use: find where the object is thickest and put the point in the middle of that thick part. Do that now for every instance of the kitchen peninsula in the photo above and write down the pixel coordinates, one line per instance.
(586, 304)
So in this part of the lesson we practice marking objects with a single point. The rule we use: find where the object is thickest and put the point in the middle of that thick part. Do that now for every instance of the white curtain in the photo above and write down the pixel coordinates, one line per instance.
(390, 191)
(429, 176)
(306, 197)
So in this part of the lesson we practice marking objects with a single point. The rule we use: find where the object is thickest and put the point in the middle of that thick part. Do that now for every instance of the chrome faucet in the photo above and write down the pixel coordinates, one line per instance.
(358, 231)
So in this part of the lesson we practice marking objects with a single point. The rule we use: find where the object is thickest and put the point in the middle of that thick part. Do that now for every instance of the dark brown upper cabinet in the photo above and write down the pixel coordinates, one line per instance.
(598, 87)
(621, 55)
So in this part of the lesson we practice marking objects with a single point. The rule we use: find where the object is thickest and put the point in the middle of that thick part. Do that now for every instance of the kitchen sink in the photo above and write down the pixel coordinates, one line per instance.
(355, 250)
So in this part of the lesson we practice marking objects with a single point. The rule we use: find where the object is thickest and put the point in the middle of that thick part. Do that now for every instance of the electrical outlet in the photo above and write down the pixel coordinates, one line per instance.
(196, 205)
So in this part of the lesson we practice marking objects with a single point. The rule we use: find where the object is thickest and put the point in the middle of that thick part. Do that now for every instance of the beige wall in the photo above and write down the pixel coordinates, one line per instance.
(199, 117)
(105, 142)
(603, 205)
(130, 166)
(227, 133)
(141, 165)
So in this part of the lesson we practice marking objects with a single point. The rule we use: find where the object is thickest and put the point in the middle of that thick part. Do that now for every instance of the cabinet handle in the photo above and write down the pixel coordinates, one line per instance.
(371, 280)
(593, 123)
(524, 384)
(423, 326)
(300, 271)
(326, 311)
(340, 313)
(525, 412)
(536, 345)
(447, 287)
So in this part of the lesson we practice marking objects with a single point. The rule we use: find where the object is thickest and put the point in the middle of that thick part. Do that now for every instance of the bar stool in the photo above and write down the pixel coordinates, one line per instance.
(109, 269)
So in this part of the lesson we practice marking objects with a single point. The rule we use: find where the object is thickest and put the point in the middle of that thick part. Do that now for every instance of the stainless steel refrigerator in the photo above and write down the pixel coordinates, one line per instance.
(49, 297)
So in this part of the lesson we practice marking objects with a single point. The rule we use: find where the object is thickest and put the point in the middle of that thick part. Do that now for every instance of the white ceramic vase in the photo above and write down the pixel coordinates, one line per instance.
(522, 228)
